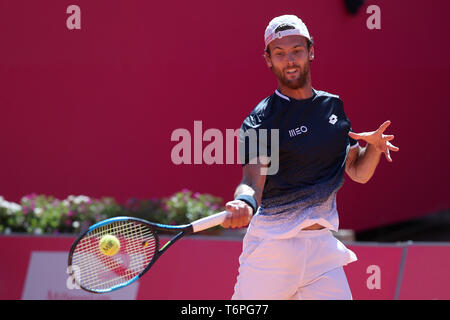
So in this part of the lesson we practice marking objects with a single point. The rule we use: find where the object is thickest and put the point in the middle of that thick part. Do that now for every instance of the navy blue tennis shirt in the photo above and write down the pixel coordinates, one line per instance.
(313, 147)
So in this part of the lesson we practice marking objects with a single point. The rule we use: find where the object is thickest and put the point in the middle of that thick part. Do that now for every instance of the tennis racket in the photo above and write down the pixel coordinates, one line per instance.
(96, 272)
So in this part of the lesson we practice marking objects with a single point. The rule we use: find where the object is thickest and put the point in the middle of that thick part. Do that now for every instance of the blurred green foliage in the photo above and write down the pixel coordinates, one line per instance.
(41, 214)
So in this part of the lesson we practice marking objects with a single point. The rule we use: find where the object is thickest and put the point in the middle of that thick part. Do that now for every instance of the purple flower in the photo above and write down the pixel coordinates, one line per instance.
(31, 196)
(196, 195)
(185, 190)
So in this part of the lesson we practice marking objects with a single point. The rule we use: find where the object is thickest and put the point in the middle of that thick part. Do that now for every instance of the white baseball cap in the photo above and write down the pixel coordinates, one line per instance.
(289, 20)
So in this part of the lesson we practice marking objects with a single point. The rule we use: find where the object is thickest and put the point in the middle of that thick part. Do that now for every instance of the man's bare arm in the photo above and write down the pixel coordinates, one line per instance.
(252, 184)
(362, 162)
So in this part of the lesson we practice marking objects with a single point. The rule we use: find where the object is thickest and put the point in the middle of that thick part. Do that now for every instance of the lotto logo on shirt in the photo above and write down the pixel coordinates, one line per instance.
(297, 131)
(333, 119)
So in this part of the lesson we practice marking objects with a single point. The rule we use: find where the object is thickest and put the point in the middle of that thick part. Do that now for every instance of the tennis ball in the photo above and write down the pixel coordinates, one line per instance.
(109, 245)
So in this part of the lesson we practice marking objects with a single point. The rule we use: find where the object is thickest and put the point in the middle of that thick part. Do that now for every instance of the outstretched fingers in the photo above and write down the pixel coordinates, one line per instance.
(387, 152)
(390, 146)
(358, 136)
(384, 126)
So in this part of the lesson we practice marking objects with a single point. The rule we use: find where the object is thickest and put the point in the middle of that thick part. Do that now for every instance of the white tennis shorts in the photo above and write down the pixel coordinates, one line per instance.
(307, 266)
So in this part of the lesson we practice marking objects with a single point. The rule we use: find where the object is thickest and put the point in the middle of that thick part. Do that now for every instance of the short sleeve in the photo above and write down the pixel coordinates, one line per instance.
(353, 143)
(254, 140)
(256, 132)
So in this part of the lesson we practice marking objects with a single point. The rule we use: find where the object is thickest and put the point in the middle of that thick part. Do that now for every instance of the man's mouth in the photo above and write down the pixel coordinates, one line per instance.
(292, 71)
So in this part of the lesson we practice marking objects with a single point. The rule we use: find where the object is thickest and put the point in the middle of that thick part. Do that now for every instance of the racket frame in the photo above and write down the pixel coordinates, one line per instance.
(182, 231)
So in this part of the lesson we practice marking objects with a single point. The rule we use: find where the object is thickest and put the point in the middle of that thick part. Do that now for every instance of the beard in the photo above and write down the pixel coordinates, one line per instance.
(297, 83)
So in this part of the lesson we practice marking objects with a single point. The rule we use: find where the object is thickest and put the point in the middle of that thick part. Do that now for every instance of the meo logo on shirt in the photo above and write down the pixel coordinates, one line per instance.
(297, 131)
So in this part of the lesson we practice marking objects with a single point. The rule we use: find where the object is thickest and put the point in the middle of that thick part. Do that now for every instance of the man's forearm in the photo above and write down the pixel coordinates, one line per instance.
(250, 190)
(366, 163)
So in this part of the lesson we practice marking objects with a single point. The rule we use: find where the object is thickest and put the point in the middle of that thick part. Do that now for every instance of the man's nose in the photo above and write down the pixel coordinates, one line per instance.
(290, 58)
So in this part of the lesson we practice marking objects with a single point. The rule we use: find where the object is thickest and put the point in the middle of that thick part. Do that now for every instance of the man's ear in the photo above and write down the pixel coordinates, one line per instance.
(311, 53)
(268, 59)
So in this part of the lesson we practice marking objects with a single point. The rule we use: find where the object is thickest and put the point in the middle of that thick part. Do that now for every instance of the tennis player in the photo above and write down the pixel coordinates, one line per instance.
(289, 251)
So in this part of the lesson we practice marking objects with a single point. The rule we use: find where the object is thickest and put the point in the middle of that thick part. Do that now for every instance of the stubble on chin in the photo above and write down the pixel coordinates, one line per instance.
(297, 83)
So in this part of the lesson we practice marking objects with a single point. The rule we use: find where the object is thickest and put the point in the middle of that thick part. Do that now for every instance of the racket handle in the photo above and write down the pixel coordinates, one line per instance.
(209, 222)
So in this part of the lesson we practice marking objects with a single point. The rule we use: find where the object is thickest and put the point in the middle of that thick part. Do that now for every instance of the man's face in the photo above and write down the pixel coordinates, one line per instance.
(290, 60)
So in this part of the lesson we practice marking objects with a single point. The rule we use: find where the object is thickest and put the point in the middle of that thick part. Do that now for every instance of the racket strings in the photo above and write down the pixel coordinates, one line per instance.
(96, 271)
(115, 270)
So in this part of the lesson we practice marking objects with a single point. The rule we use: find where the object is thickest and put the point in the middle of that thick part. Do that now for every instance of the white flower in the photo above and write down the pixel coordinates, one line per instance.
(38, 211)
(11, 207)
(79, 199)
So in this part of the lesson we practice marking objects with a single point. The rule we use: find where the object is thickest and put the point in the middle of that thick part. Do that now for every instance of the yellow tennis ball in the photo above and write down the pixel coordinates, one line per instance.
(109, 245)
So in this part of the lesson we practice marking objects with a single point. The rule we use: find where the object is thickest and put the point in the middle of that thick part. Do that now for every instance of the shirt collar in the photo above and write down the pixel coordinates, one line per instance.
(278, 93)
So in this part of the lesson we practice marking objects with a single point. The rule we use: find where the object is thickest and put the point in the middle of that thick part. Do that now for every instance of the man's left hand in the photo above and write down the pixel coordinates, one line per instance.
(378, 139)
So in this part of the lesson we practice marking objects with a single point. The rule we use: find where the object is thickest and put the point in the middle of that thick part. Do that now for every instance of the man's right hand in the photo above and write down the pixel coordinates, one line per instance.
(239, 214)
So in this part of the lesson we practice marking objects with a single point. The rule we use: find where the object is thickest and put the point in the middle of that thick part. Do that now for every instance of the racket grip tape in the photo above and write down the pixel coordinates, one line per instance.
(209, 222)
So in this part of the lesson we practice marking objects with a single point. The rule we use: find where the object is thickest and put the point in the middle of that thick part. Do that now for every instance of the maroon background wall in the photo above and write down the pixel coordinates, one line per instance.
(91, 111)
